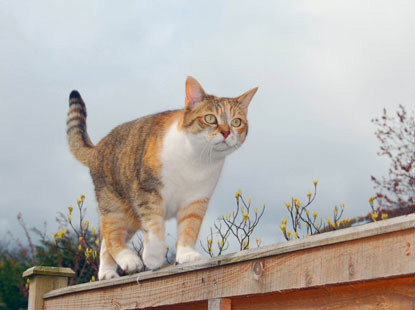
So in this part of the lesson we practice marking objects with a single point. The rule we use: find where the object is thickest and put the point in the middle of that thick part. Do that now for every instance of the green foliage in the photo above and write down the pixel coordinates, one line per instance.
(13, 263)
(75, 246)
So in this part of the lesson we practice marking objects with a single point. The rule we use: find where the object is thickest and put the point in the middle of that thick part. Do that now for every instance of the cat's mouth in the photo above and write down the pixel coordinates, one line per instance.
(223, 146)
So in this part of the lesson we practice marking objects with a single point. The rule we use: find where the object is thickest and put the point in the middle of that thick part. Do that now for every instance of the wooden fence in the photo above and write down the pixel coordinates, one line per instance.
(366, 267)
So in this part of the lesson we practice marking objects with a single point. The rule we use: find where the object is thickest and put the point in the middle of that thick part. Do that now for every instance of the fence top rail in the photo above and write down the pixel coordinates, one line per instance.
(396, 224)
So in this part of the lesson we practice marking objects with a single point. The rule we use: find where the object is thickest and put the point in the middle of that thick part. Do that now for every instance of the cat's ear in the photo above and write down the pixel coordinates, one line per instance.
(194, 92)
(245, 99)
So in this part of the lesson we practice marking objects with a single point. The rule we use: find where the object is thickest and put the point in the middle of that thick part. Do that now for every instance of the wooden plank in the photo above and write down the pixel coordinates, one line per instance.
(377, 257)
(397, 294)
(353, 233)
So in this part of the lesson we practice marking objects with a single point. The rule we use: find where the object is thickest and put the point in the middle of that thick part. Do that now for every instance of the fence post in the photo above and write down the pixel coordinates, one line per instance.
(44, 279)
(219, 304)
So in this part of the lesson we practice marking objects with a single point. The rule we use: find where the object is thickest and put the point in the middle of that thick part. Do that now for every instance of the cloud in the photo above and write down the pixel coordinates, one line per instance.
(323, 71)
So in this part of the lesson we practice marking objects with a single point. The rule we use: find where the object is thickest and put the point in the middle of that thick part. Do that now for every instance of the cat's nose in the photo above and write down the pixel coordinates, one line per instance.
(225, 133)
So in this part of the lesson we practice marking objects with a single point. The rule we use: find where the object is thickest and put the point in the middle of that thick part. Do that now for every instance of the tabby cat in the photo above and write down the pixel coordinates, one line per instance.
(157, 167)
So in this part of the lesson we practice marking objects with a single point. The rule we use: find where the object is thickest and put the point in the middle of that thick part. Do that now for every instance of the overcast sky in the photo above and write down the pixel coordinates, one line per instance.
(324, 70)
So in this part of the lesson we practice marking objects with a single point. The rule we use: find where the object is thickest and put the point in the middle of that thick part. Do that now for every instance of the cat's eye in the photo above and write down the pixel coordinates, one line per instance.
(236, 122)
(210, 119)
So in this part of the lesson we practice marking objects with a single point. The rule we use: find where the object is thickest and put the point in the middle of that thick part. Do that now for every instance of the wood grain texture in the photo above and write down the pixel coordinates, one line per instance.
(49, 271)
(396, 294)
(368, 253)
(353, 233)
(44, 279)
(39, 285)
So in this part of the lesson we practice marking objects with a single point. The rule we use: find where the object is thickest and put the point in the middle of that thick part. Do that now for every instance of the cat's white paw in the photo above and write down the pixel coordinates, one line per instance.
(154, 253)
(187, 255)
(129, 261)
(106, 274)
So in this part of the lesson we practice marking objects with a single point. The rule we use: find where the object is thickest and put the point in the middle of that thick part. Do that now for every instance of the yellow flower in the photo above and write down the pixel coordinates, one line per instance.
(97, 242)
(94, 253)
(242, 209)
(289, 233)
(309, 195)
(86, 223)
(288, 205)
(209, 242)
(297, 203)
(69, 218)
(70, 209)
(296, 236)
(308, 212)
(328, 220)
(245, 216)
(94, 232)
(315, 182)
(80, 248)
(83, 197)
(374, 216)
(249, 200)
(315, 214)
(342, 206)
(283, 227)
(238, 194)
(246, 245)
(92, 279)
(220, 243)
(79, 201)
(61, 233)
(258, 241)
(284, 221)
(384, 216)
(371, 200)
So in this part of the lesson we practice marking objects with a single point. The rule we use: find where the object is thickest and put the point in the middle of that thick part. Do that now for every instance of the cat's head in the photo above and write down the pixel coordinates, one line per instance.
(218, 125)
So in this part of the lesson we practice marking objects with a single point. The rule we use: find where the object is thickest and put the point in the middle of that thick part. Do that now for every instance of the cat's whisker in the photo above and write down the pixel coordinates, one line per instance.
(204, 149)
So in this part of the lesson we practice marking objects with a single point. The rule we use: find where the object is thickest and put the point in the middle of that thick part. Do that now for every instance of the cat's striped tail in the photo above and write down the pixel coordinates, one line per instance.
(79, 142)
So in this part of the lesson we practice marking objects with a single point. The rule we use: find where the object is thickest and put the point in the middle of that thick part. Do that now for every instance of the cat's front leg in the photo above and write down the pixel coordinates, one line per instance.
(189, 220)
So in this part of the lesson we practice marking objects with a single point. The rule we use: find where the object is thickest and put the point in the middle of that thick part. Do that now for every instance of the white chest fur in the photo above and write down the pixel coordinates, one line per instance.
(188, 173)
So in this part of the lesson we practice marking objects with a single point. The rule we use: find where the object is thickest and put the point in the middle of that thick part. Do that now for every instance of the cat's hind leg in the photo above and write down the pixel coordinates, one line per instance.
(155, 247)
(189, 220)
(114, 229)
(107, 265)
